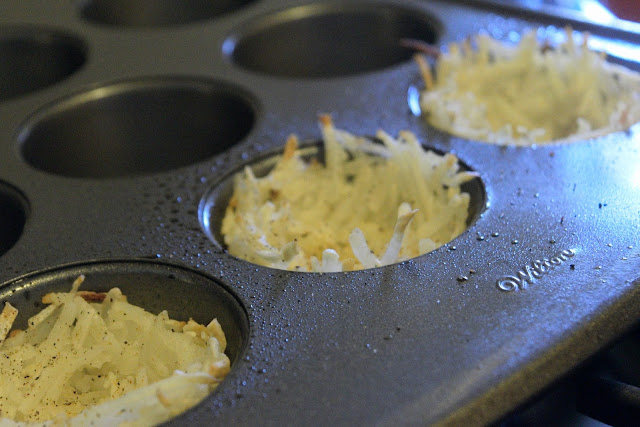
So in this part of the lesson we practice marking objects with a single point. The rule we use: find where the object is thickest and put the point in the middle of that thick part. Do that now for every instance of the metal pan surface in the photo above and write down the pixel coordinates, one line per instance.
(121, 125)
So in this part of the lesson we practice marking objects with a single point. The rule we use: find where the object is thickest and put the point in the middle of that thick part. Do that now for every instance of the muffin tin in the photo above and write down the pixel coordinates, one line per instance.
(122, 123)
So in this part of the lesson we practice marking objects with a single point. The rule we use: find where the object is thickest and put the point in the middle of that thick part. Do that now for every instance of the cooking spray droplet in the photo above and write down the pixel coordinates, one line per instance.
(479, 237)
(552, 240)
(462, 279)
(609, 245)
(452, 248)
(495, 234)
(514, 242)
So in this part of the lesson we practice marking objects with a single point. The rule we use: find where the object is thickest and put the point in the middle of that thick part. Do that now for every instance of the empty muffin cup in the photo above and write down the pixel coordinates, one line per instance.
(13, 215)
(137, 127)
(330, 39)
(35, 58)
(157, 13)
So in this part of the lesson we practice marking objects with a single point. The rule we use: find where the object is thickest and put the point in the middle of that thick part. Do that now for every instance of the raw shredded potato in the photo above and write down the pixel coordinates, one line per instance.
(369, 205)
(107, 363)
(528, 94)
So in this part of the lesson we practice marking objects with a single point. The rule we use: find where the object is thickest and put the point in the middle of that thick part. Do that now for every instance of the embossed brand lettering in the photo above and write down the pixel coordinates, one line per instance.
(533, 271)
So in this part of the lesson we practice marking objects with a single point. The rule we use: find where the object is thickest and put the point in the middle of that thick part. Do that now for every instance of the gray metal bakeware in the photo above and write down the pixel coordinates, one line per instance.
(122, 121)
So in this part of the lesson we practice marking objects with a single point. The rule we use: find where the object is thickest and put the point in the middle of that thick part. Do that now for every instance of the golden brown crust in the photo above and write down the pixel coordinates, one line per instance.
(466, 47)
(233, 202)
(164, 400)
(273, 194)
(325, 120)
(219, 369)
(7, 316)
(290, 147)
(421, 46)
(425, 71)
(90, 296)
(48, 298)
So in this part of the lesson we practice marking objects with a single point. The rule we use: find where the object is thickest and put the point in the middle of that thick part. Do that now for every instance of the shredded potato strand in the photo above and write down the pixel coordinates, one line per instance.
(400, 201)
(526, 94)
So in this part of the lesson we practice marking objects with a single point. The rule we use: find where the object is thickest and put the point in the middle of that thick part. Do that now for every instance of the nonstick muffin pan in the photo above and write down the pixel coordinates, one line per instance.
(123, 122)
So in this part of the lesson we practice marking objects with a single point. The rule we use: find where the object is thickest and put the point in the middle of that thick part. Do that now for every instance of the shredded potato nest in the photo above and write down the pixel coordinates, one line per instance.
(93, 359)
(527, 94)
(368, 205)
